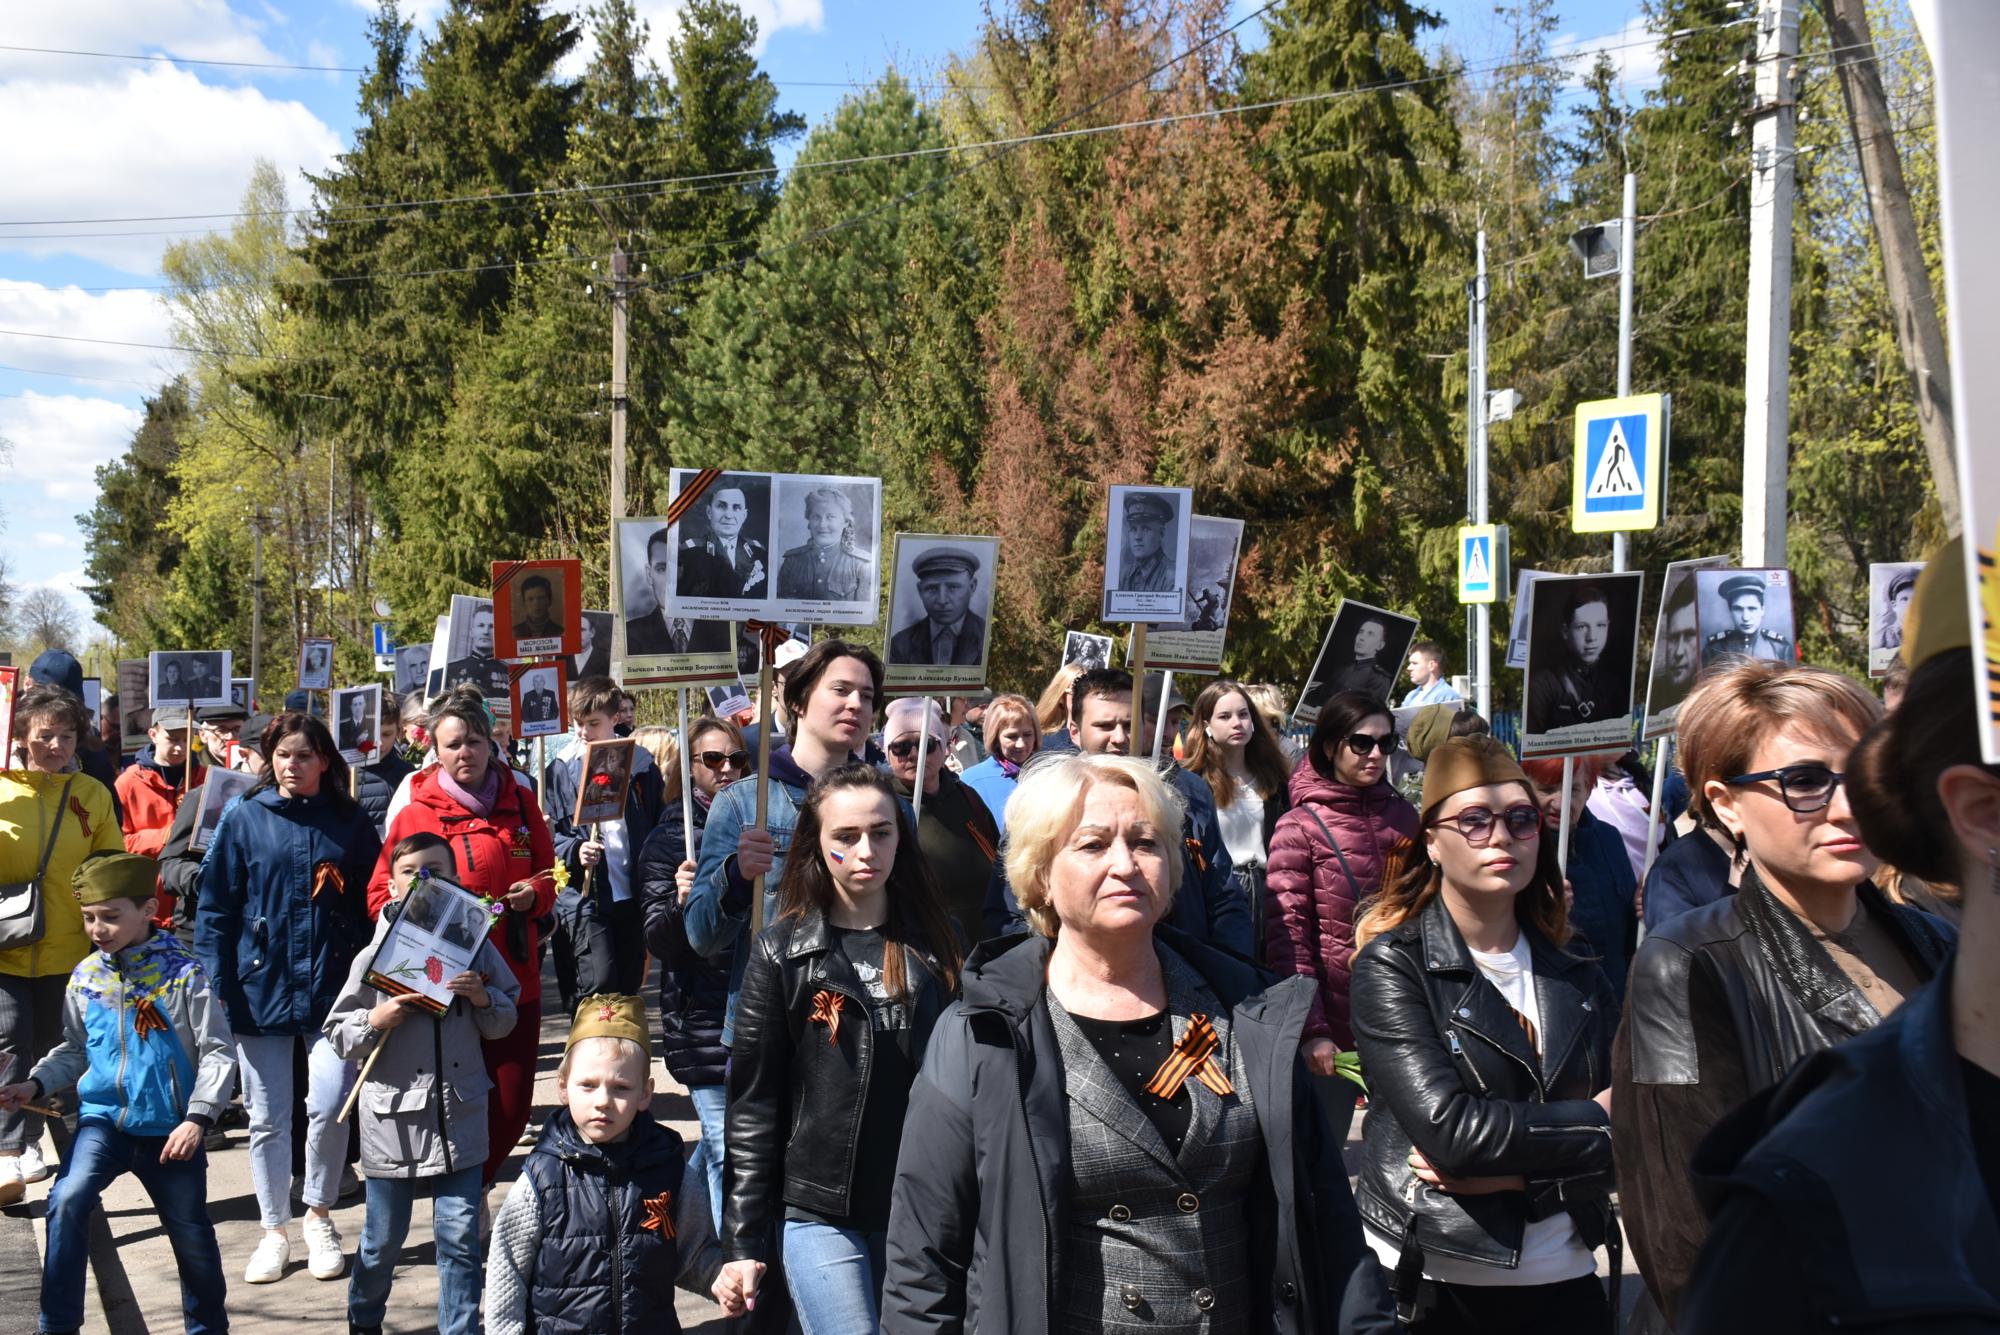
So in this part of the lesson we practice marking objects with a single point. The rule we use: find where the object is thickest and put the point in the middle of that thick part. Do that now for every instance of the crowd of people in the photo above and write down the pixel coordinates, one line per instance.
(992, 1018)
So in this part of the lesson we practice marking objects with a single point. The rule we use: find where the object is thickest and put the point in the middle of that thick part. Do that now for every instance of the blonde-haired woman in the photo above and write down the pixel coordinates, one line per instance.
(825, 567)
(1486, 1178)
(1013, 736)
(1142, 1148)
(1052, 708)
(1725, 999)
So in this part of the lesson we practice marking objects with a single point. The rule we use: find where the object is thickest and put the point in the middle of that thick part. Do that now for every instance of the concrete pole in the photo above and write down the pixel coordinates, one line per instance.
(1483, 612)
(1767, 399)
(619, 267)
(1625, 239)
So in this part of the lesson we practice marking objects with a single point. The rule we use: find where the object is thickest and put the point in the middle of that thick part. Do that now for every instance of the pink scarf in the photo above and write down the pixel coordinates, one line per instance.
(478, 803)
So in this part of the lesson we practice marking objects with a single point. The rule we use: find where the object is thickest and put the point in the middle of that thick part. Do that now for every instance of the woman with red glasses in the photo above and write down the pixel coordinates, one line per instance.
(1486, 1175)
(1327, 855)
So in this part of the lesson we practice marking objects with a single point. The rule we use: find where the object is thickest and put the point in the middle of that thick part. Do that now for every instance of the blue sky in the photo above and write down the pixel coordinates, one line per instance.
(103, 139)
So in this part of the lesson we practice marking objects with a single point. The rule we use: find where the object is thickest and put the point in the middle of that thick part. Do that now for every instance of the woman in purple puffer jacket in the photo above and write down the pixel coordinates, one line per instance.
(1327, 855)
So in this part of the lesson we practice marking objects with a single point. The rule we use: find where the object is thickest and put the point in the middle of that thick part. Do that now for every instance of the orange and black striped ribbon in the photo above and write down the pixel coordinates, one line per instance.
(826, 1011)
(1193, 1055)
(1195, 854)
(691, 493)
(772, 633)
(147, 1018)
(660, 1214)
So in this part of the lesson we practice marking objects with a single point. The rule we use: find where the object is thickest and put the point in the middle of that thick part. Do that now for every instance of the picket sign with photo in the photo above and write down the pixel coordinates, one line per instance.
(538, 693)
(221, 787)
(1195, 643)
(1092, 651)
(1676, 648)
(1365, 650)
(537, 608)
(1583, 646)
(1891, 585)
(316, 663)
(357, 722)
(134, 702)
(940, 614)
(437, 933)
(604, 780)
(732, 555)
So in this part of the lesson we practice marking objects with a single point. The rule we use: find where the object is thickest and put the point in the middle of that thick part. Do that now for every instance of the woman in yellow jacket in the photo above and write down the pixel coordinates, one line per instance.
(43, 799)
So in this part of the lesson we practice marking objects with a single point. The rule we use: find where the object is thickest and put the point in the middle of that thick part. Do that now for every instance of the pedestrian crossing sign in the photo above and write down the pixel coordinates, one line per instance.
(1620, 470)
(1479, 559)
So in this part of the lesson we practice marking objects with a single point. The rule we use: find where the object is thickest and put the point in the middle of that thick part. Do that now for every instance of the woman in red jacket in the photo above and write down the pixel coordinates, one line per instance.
(502, 848)
(1327, 855)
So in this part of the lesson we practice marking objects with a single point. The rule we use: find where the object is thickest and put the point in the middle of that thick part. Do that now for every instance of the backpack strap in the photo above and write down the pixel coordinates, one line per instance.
(1353, 886)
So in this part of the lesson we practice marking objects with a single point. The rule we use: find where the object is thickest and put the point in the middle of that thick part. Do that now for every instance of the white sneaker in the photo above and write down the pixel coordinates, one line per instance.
(34, 1168)
(323, 1255)
(268, 1262)
(12, 1188)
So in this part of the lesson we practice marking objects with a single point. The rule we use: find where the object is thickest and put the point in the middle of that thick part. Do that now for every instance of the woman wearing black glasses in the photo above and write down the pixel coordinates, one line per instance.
(1327, 855)
(694, 991)
(957, 832)
(1486, 1178)
(1722, 1001)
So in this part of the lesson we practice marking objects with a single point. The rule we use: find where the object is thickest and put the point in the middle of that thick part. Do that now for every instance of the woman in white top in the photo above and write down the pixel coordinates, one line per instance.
(1234, 748)
(1486, 1041)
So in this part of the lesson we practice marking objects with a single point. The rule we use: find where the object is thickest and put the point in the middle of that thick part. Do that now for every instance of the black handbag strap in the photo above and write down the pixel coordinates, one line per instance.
(49, 848)
(1353, 886)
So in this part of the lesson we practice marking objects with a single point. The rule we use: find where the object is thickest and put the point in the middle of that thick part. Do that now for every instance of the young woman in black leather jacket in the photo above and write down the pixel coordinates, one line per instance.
(1486, 1041)
(838, 1002)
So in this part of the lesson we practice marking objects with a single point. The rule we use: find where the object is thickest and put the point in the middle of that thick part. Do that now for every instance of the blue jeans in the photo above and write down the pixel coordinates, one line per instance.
(265, 1067)
(835, 1275)
(99, 1154)
(710, 1102)
(454, 1227)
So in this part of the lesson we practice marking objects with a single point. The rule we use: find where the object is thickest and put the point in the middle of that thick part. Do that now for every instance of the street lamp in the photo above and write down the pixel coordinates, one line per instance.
(1598, 246)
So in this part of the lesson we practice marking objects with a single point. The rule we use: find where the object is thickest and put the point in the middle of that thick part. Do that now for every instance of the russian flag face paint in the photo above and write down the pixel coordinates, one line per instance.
(834, 853)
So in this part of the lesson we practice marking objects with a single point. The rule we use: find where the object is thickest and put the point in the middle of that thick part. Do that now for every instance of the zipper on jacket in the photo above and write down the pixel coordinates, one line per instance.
(617, 1257)
(444, 1122)
(124, 1100)
(1458, 1051)
(1534, 1075)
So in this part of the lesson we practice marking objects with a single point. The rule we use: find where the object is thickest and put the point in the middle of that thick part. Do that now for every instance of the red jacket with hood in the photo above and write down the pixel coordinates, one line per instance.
(1309, 898)
(491, 852)
(147, 801)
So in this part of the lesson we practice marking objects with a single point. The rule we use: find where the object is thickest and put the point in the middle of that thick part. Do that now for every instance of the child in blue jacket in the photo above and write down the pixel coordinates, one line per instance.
(148, 1049)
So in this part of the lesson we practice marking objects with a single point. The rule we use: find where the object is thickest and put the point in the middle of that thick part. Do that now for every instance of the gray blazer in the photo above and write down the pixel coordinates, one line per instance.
(426, 1061)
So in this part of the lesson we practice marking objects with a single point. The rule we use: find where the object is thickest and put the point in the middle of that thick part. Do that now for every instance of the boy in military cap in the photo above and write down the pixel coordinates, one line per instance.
(149, 1051)
(601, 1161)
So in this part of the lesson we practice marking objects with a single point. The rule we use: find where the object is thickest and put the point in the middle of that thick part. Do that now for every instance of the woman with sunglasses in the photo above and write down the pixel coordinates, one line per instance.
(1327, 855)
(1723, 1000)
(958, 834)
(1486, 1174)
(694, 990)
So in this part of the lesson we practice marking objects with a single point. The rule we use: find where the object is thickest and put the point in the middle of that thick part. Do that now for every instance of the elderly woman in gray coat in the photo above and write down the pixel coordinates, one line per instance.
(1112, 1127)
(422, 1109)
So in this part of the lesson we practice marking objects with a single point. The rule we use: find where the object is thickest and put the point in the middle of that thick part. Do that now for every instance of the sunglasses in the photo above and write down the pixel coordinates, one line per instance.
(1805, 788)
(1361, 743)
(718, 760)
(907, 747)
(1476, 824)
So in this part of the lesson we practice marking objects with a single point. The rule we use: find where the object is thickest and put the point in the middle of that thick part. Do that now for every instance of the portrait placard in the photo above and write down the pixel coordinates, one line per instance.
(93, 699)
(1676, 646)
(940, 613)
(606, 776)
(719, 564)
(663, 648)
(750, 649)
(1195, 642)
(1146, 553)
(729, 701)
(135, 705)
(437, 931)
(1364, 650)
(537, 608)
(471, 652)
(1092, 651)
(1745, 614)
(239, 693)
(593, 659)
(191, 677)
(827, 532)
(1583, 645)
(413, 663)
(539, 694)
(1517, 625)
(357, 723)
(1891, 584)
(10, 694)
(222, 787)
(316, 663)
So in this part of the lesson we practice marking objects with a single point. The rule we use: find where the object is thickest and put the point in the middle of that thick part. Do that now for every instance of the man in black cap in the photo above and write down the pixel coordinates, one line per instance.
(1147, 567)
(1579, 690)
(950, 633)
(1746, 637)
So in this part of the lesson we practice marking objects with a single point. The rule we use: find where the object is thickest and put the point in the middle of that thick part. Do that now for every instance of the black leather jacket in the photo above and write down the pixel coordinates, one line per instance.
(1451, 1070)
(795, 1100)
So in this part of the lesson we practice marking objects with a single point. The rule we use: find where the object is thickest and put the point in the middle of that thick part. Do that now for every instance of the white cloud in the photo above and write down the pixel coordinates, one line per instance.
(663, 20)
(58, 442)
(1634, 51)
(196, 29)
(150, 141)
(126, 317)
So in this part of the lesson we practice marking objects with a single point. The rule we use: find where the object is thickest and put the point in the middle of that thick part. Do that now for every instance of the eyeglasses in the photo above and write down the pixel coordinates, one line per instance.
(907, 747)
(1476, 824)
(1361, 743)
(717, 760)
(1805, 788)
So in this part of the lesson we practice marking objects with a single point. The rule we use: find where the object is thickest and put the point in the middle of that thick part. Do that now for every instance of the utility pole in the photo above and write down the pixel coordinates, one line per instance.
(619, 265)
(1625, 248)
(1482, 612)
(256, 602)
(1766, 362)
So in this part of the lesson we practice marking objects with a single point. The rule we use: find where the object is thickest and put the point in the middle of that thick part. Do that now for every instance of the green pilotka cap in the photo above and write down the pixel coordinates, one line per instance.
(105, 876)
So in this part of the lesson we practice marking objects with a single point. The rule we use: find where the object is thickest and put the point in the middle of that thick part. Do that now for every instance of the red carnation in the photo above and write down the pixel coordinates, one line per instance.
(601, 780)
(434, 969)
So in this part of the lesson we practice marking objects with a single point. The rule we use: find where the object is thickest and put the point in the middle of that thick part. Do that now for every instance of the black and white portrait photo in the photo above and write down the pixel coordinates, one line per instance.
(1676, 646)
(470, 656)
(1517, 626)
(1891, 585)
(412, 662)
(720, 552)
(239, 693)
(940, 608)
(1745, 614)
(188, 677)
(135, 708)
(658, 643)
(316, 664)
(1092, 651)
(1195, 642)
(750, 648)
(535, 607)
(461, 924)
(223, 787)
(357, 723)
(538, 700)
(728, 701)
(1583, 639)
(1363, 651)
(827, 532)
(594, 658)
(1146, 553)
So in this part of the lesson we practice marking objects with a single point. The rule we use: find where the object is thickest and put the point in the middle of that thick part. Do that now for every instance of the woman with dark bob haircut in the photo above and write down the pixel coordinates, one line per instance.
(1860, 1192)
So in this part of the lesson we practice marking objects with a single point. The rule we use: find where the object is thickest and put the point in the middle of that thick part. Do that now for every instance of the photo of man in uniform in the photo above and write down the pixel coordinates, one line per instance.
(950, 631)
(478, 666)
(1581, 688)
(1363, 651)
(725, 563)
(656, 633)
(538, 698)
(536, 596)
(355, 725)
(204, 680)
(1678, 654)
(1744, 594)
(1147, 565)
